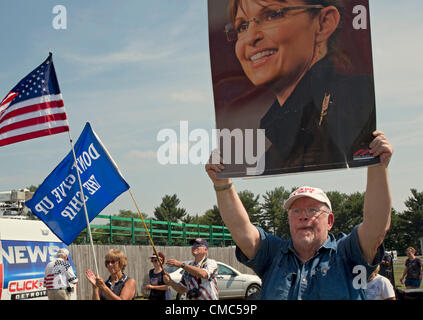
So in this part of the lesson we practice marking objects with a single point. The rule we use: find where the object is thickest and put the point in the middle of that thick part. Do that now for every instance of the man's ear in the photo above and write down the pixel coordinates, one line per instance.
(331, 220)
(329, 19)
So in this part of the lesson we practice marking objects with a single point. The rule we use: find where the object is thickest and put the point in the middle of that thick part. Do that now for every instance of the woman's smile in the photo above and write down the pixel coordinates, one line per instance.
(258, 57)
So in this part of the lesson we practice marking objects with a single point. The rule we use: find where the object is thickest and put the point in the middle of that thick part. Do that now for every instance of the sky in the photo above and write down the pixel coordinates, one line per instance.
(134, 67)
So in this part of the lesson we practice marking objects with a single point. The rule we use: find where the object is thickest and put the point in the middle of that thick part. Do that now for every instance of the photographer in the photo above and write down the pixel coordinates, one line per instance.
(199, 277)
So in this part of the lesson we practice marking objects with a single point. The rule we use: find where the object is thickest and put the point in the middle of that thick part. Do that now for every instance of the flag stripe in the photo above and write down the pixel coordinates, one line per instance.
(6, 101)
(33, 134)
(31, 115)
(31, 106)
(37, 127)
(32, 122)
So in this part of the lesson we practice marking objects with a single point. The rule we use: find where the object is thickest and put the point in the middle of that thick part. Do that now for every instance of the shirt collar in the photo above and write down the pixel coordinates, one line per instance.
(330, 243)
(199, 264)
(121, 279)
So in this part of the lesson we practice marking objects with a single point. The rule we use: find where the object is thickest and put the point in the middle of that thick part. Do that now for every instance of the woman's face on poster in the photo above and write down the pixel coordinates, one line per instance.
(274, 54)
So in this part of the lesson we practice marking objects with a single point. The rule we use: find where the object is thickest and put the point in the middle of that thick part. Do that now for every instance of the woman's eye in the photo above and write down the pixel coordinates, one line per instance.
(242, 27)
(272, 15)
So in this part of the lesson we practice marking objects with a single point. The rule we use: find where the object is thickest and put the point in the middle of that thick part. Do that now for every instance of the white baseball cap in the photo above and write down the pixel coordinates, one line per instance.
(311, 192)
(62, 252)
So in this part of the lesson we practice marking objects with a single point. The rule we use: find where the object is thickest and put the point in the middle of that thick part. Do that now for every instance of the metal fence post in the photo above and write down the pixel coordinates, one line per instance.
(211, 235)
(169, 233)
(133, 230)
(111, 229)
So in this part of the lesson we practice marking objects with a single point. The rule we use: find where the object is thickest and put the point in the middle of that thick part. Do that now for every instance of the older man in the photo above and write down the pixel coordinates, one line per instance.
(199, 277)
(312, 264)
(58, 275)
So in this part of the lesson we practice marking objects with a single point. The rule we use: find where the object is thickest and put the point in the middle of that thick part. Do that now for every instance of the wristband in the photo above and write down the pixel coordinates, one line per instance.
(182, 265)
(222, 188)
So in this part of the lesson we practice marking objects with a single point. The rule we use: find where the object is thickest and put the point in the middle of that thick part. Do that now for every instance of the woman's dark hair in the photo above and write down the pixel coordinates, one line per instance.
(334, 53)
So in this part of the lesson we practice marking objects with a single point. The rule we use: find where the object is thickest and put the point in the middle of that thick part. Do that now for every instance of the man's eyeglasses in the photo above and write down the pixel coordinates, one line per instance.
(267, 18)
(309, 212)
(111, 261)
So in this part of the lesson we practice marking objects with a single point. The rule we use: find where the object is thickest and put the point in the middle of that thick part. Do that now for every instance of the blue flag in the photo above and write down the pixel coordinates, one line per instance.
(58, 200)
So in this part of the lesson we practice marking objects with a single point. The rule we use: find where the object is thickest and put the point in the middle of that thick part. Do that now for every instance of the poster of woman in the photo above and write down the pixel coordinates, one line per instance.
(299, 75)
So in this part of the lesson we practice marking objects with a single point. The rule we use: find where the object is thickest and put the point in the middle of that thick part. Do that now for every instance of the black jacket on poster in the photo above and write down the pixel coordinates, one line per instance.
(307, 136)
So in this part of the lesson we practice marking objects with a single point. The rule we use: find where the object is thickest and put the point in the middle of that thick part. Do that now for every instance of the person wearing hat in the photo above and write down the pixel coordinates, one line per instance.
(58, 275)
(199, 278)
(158, 289)
(312, 264)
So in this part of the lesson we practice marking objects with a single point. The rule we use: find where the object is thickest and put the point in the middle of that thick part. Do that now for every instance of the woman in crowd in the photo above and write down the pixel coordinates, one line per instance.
(118, 286)
(158, 289)
(413, 271)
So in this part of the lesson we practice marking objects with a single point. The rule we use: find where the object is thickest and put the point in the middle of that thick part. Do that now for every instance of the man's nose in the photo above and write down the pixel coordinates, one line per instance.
(303, 215)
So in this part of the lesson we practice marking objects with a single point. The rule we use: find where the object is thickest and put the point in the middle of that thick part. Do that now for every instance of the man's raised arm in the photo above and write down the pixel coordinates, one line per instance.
(377, 200)
(233, 213)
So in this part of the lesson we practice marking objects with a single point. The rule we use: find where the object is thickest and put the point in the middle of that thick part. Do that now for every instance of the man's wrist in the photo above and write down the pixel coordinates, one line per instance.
(182, 265)
(222, 187)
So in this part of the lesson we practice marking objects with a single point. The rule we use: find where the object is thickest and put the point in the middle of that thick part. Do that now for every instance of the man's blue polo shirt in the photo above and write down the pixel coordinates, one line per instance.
(328, 275)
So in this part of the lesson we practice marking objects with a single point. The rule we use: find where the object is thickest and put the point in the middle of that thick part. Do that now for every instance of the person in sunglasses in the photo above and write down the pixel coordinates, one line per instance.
(159, 290)
(323, 113)
(313, 264)
(118, 286)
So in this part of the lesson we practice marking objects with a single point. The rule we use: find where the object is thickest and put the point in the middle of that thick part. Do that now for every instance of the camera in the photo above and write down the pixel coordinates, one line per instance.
(193, 293)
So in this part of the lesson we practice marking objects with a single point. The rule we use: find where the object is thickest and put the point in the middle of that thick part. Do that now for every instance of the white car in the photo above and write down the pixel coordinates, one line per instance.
(230, 282)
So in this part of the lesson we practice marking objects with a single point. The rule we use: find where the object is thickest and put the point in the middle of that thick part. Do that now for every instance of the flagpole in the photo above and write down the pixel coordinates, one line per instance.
(83, 201)
(146, 229)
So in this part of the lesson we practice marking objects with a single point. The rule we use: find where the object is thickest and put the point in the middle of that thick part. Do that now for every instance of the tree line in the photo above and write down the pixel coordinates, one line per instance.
(267, 212)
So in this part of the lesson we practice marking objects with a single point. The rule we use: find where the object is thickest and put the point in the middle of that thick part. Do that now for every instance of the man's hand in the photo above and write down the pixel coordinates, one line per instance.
(380, 146)
(174, 263)
(213, 168)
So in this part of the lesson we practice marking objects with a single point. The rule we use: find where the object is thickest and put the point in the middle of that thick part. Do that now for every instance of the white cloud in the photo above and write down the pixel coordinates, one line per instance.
(130, 54)
(189, 96)
(398, 64)
(407, 133)
(140, 154)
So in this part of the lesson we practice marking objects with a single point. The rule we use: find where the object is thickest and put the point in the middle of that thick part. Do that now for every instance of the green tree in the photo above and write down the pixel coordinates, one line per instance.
(412, 219)
(188, 219)
(212, 217)
(33, 188)
(251, 205)
(347, 209)
(168, 209)
(274, 217)
(397, 237)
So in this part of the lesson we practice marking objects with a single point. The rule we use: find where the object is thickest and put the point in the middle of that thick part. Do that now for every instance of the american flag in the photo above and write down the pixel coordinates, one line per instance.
(34, 107)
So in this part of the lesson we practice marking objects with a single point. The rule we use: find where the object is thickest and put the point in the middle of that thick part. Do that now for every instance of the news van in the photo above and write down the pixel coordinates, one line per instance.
(26, 246)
